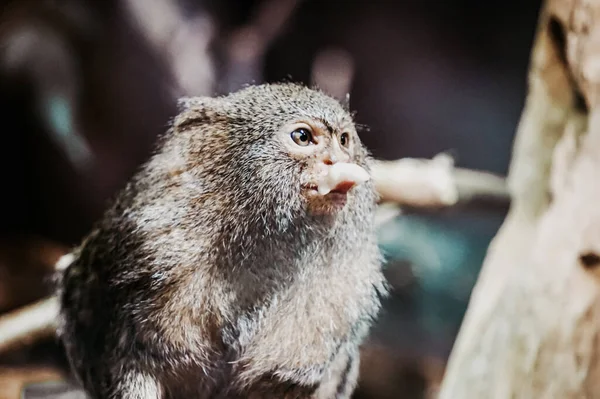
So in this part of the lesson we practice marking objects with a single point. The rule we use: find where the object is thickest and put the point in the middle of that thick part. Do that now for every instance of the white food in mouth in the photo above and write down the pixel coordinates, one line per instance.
(341, 173)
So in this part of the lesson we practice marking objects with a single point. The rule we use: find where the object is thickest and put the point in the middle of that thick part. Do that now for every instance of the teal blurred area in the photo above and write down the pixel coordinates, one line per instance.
(432, 263)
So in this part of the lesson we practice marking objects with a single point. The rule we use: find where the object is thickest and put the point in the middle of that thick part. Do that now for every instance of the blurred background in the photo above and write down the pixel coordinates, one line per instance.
(85, 87)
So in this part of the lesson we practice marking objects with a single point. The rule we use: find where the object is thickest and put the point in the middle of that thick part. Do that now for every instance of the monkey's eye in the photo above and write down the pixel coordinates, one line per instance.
(345, 139)
(301, 136)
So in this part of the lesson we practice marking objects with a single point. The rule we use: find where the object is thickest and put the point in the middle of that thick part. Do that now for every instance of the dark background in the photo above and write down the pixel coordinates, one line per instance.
(428, 77)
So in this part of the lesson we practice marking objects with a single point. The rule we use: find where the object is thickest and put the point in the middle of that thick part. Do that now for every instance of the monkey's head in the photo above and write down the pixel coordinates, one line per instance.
(280, 149)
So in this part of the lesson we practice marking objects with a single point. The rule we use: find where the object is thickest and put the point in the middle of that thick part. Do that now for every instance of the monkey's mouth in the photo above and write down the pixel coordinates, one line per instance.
(337, 196)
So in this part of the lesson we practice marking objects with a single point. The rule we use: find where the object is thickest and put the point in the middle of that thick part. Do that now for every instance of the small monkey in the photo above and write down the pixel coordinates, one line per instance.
(239, 262)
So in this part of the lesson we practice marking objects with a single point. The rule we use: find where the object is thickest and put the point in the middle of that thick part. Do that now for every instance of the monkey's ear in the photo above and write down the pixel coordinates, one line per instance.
(192, 110)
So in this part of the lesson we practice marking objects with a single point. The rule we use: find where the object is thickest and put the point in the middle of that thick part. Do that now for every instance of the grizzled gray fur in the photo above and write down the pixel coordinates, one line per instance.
(213, 276)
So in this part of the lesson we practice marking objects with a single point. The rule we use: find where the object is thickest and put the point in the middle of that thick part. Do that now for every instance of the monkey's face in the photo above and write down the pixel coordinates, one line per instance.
(280, 150)
(330, 155)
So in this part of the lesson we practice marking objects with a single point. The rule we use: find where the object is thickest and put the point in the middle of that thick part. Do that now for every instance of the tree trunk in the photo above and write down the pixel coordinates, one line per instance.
(531, 330)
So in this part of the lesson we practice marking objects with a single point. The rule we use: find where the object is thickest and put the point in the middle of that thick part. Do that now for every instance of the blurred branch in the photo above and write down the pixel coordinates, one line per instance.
(271, 17)
(246, 47)
(26, 382)
(26, 265)
(435, 183)
(35, 45)
(183, 41)
(28, 324)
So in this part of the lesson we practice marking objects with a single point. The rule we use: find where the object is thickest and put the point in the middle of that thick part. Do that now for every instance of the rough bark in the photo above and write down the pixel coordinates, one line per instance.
(531, 329)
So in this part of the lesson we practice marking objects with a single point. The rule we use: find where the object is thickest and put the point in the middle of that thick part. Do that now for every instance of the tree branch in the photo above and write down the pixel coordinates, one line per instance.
(245, 48)
(435, 183)
(28, 324)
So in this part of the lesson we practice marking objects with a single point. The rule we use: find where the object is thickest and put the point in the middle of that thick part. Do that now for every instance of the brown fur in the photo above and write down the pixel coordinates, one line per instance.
(211, 276)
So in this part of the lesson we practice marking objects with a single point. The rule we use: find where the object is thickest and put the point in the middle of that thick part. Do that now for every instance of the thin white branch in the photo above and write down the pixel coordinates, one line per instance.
(29, 324)
(434, 183)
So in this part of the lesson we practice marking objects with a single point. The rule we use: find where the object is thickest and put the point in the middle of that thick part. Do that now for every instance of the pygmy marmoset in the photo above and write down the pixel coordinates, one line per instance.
(239, 262)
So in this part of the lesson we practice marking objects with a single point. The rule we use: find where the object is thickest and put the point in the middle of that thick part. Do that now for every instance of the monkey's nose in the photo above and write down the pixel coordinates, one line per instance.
(341, 177)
